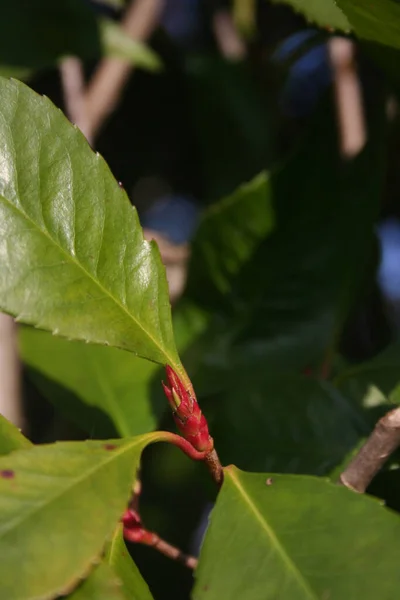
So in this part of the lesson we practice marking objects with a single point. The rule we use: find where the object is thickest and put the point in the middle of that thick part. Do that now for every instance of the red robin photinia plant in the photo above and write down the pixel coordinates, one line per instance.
(297, 426)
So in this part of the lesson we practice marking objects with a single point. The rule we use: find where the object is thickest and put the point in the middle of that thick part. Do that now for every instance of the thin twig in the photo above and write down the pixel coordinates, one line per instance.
(382, 442)
(106, 86)
(174, 553)
(10, 372)
(135, 532)
(226, 34)
(348, 94)
(175, 258)
(73, 83)
(214, 466)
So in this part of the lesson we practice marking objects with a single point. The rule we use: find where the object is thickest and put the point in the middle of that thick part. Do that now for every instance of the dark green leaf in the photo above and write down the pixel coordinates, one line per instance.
(284, 422)
(297, 538)
(81, 267)
(228, 235)
(36, 34)
(58, 505)
(325, 13)
(39, 34)
(291, 298)
(232, 121)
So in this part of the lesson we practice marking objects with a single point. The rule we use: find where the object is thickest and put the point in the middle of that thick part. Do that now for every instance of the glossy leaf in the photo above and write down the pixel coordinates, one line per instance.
(102, 584)
(117, 43)
(81, 267)
(117, 556)
(58, 505)
(325, 13)
(297, 538)
(284, 423)
(10, 437)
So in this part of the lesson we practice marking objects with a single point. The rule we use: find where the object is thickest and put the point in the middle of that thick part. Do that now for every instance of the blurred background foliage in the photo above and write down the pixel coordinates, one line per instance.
(231, 146)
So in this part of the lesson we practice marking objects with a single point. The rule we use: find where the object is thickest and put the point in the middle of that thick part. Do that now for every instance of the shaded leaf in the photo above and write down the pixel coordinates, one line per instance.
(293, 538)
(102, 584)
(374, 21)
(10, 437)
(227, 237)
(232, 121)
(325, 13)
(78, 377)
(374, 384)
(287, 304)
(58, 505)
(81, 267)
(37, 34)
(118, 557)
(114, 381)
(284, 423)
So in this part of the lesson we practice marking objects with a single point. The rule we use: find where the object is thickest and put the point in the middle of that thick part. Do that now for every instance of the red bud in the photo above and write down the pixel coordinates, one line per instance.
(187, 414)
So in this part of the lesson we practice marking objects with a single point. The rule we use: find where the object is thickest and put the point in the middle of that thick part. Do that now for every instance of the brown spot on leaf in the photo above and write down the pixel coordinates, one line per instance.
(109, 446)
(7, 474)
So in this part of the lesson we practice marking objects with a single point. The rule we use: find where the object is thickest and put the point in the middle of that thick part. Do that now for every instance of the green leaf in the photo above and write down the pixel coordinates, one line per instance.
(325, 13)
(10, 437)
(284, 423)
(374, 21)
(118, 557)
(287, 303)
(102, 584)
(81, 267)
(117, 43)
(58, 505)
(374, 384)
(233, 123)
(79, 378)
(227, 237)
(69, 373)
(297, 538)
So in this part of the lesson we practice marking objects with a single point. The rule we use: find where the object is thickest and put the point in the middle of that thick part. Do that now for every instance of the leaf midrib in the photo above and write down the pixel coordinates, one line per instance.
(113, 454)
(272, 537)
(97, 282)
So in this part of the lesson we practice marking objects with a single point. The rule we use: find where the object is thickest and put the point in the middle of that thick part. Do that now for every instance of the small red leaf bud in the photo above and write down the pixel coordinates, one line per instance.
(186, 412)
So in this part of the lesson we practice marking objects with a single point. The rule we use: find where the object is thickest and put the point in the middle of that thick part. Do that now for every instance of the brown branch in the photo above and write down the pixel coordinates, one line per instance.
(174, 553)
(73, 83)
(228, 39)
(382, 442)
(348, 94)
(214, 466)
(10, 373)
(135, 532)
(106, 86)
